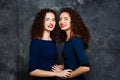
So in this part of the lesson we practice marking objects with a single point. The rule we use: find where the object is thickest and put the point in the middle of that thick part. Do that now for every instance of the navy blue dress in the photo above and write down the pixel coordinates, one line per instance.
(43, 54)
(74, 55)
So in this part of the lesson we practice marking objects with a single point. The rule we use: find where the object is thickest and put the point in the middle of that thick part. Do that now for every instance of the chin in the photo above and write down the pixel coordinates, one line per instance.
(51, 30)
(63, 29)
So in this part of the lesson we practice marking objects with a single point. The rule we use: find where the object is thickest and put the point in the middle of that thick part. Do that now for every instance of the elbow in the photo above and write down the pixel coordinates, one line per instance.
(88, 69)
(31, 74)
(34, 73)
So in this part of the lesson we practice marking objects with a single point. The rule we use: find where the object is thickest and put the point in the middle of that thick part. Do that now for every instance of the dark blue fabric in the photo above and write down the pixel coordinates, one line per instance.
(43, 54)
(74, 55)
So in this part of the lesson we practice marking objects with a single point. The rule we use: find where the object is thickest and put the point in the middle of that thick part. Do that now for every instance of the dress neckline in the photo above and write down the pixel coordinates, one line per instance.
(43, 40)
(72, 38)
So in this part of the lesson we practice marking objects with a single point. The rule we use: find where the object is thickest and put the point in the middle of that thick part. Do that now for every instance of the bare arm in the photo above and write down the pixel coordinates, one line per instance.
(79, 48)
(80, 70)
(43, 73)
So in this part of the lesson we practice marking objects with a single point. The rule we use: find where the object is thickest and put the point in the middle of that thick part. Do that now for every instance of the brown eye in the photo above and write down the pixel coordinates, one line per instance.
(53, 19)
(60, 19)
(46, 19)
(66, 18)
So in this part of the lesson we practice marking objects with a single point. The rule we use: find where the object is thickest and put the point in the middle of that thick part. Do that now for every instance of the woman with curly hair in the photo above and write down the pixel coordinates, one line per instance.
(43, 51)
(76, 37)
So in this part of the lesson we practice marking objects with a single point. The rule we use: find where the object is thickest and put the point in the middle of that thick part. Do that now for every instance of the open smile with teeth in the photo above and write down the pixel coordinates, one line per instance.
(62, 25)
(50, 26)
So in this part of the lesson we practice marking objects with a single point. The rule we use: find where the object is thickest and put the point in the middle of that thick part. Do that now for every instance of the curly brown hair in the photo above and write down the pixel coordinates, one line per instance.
(38, 24)
(78, 27)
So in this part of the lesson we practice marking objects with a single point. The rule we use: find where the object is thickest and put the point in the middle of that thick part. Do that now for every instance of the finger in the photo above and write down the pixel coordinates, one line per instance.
(65, 77)
(54, 67)
(53, 70)
(69, 70)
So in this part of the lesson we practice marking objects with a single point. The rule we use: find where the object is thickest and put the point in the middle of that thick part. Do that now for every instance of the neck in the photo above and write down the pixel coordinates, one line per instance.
(46, 35)
(68, 33)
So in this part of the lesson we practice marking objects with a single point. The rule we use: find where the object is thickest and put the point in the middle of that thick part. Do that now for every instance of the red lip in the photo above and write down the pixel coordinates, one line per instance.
(62, 25)
(50, 26)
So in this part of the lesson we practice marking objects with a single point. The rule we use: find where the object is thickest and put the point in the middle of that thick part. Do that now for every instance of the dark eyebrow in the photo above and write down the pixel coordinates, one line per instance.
(53, 18)
(47, 18)
(65, 17)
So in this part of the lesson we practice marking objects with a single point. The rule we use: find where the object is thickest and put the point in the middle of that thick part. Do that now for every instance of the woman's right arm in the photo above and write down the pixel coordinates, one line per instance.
(43, 73)
(33, 62)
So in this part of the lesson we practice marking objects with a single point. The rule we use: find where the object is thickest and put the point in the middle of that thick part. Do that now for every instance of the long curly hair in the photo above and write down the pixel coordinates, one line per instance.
(37, 27)
(78, 27)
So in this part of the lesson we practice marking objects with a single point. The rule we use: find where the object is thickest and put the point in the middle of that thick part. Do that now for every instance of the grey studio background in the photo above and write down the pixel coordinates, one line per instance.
(102, 17)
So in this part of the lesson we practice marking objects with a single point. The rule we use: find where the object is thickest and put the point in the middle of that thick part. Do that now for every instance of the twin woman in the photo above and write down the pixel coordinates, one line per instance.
(46, 30)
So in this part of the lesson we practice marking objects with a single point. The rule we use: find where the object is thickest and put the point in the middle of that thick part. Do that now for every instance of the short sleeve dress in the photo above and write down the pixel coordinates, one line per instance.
(74, 55)
(43, 54)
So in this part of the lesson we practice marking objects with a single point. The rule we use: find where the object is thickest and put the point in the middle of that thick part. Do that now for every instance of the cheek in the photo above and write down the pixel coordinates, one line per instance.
(59, 23)
(69, 23)
(45, 23)
(54, 23)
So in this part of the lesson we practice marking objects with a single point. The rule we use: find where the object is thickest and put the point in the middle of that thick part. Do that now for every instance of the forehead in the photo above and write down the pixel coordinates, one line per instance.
(64, 14)
(49, 14)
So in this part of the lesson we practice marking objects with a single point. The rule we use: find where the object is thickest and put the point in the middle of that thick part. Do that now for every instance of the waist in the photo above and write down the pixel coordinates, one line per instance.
(45, 68)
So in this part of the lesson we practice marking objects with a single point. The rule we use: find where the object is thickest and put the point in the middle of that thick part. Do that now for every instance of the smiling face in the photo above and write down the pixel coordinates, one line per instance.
(49, 21)
(65, 21)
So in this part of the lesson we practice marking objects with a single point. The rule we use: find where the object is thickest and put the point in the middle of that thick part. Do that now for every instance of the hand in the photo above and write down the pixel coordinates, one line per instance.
(57, 68)
(64, 73)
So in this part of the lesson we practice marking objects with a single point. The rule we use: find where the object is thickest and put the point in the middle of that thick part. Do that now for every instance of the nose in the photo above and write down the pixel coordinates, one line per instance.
(61, 21)
(52, 21)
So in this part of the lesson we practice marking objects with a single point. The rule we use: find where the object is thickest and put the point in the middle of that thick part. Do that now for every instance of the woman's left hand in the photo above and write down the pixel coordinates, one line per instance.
(57, 68)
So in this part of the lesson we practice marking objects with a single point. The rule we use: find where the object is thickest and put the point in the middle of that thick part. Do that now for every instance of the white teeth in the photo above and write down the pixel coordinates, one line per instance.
(62, 25)
(50, 26)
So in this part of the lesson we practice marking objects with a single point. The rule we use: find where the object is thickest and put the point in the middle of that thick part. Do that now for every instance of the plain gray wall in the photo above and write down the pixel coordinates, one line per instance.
(102, 17)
